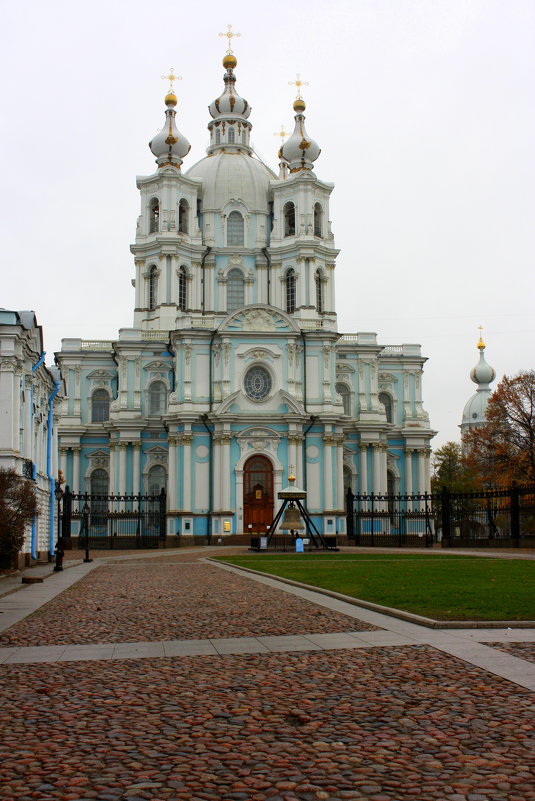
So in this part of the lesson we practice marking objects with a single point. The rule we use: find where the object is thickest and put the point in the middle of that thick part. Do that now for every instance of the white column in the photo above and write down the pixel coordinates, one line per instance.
(172, 485)
(225, 471)
(428, 470)
(299, 466)
(384, 471)
(340, 502)
(363, 469)
(63, 462)
(122, 468)
(292, 454)
(186, 476)
(136, 469)
(408, 476)
(28, 422)
(376, 478)
(421, 472)
(75, 470)
(217, 474)
(113, 472)
(328, 471)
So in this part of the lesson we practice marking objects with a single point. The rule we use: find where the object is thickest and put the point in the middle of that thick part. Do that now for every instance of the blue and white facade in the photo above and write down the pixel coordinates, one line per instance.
(234, 370)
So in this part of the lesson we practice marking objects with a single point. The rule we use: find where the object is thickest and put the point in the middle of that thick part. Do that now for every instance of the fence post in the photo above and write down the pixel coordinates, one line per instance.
(67, 513)
(446, 521)
(373, 519)
(515, 515)
(350, 513)
(163, 513)
(428, 532)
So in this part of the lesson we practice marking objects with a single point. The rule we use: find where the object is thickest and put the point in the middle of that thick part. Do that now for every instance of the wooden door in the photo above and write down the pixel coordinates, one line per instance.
(257, 495)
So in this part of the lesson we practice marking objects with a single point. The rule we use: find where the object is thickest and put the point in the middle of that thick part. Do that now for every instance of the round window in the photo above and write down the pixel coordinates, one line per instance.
(257, 383)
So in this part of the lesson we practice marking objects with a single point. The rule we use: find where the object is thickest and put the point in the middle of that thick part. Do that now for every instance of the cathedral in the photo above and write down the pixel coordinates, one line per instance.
(234, 373)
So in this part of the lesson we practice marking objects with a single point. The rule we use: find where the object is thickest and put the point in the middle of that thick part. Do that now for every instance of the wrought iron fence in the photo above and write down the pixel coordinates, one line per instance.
(489, 518)
(114, 521)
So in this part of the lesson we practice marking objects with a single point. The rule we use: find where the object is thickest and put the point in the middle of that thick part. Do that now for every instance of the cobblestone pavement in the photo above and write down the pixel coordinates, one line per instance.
(388, 724)
(384, 723)
(146, 601)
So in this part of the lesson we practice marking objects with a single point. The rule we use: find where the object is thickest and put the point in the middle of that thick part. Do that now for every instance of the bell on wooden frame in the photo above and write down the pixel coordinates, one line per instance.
(291, 520)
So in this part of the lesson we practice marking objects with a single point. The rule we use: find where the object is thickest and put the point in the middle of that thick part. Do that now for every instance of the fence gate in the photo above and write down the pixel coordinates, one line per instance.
(114, 521)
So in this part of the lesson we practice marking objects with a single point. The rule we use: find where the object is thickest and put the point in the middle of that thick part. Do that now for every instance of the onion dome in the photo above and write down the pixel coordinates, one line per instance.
(482, 374)
(300, 151)
(474, 413)
(170, 146)
(229, 103)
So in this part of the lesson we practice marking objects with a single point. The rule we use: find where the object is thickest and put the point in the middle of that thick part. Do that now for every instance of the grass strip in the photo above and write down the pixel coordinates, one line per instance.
(440, 587)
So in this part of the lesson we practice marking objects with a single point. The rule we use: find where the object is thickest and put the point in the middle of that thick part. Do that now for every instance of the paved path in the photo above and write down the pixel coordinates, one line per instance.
(318, 699)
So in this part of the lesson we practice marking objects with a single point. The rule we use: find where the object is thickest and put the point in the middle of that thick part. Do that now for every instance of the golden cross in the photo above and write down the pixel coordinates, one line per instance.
(229, 36)
(171, 77)
(282, 133)
(480, 331)
(299, 83)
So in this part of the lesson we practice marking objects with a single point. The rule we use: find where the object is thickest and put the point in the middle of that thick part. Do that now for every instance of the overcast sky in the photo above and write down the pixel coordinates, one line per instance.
(424, 110)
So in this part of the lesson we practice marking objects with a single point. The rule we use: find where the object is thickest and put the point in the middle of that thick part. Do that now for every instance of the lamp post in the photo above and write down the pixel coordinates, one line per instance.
(85, 512)
(58, 494)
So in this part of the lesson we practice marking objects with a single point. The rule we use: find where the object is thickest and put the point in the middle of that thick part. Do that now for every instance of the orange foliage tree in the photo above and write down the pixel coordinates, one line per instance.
(503, 450)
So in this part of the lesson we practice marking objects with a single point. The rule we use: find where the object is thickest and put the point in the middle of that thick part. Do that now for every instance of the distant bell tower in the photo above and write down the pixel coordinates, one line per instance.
(483, 375)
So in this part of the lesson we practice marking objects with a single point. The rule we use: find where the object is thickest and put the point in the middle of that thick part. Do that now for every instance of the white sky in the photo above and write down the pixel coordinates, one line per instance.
(424, 110)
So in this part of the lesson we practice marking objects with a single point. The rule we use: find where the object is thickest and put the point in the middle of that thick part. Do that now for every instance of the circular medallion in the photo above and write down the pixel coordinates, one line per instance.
(257, 383)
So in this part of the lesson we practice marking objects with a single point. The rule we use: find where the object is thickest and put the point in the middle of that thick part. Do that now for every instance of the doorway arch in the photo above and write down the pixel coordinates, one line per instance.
(257, 494)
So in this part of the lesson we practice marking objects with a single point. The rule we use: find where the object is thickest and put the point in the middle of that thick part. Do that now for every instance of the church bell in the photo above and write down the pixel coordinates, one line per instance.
(291, 520)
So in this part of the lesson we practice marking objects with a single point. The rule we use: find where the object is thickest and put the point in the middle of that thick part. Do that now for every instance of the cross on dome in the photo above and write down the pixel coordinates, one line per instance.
(282, 133)
(298, 83)
(171, 77)
(230, 35)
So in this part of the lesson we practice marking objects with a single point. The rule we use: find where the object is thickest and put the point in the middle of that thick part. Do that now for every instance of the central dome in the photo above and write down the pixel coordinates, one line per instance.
(227, 176)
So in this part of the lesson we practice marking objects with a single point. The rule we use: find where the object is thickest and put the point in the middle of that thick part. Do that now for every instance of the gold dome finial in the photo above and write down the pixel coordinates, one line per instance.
(291, 477)
(171, 98)
(299, 103)
(481, 345)
(229, 36)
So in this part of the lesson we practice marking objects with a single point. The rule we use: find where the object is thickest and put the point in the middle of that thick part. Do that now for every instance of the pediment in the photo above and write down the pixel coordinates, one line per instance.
(259, 318)
(101, 375)
(387, 378)
(157, 366)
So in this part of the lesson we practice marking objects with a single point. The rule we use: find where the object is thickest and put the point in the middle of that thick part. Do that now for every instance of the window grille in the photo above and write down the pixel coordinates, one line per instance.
(235, 228)
(157, 398)
(183, 217)
(182, 289)
(154, 216)
(157, 480)
(318, 214)
(289, 219)
(231, 136)
(218, 137)
(290, 291)
(386, 400)
(343, 391)
(100, 406)
(99, 483)
(235, 290)
(153, 287)
(319, 292)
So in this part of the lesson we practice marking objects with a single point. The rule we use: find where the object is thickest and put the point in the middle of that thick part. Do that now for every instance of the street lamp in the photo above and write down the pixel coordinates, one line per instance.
(85, 512)
(58, 494)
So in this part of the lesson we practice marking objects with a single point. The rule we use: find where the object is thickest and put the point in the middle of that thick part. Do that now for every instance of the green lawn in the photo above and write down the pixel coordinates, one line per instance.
(441, 587)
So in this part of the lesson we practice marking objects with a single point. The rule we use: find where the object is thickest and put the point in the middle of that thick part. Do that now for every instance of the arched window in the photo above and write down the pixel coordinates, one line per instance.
(157, 398)
(343, 391)
(235, 290)
(153, 287)
(99, 482)
(218, 137)
(386, 400)
(157, 480)
(289, 219)
(100, 406)
(182, 289)
(290, 291)
(234, 228)
(244, 136)
(183, 210)
(231, 136)
(154, 216)
(318, 220)
(319, 292)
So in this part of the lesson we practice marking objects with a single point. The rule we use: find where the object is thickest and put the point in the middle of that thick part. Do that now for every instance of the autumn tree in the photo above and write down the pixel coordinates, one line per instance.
(450, 470)
(503, 450)
(18, 506)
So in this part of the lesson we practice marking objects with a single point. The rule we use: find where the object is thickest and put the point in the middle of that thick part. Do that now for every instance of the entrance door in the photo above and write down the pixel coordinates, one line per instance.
(257, 494)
